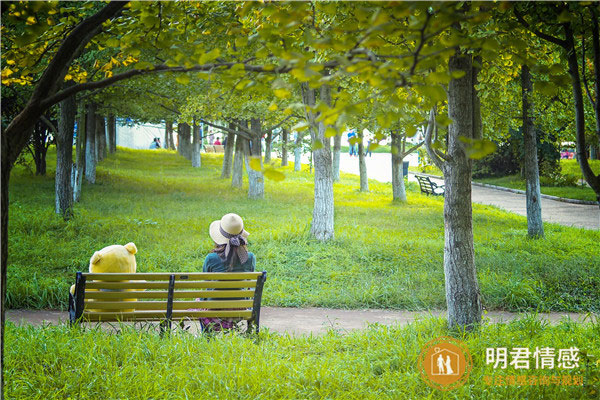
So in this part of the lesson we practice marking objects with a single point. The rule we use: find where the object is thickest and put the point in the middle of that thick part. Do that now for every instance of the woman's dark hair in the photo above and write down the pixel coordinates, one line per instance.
(220, 250)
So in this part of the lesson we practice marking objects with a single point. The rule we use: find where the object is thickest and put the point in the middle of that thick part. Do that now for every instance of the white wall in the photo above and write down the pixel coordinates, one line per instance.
(139, 136)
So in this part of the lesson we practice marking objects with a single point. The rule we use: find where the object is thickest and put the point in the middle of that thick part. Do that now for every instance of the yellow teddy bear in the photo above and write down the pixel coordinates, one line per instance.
(113, 259)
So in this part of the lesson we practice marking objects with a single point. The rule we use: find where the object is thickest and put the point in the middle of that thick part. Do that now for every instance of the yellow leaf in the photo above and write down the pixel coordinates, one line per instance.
(184, 79)
(282, 93)
(30, 20)
(273, 107)
(255, 163)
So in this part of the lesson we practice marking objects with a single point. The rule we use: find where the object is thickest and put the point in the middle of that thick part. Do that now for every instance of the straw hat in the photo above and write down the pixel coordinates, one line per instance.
(230, 223)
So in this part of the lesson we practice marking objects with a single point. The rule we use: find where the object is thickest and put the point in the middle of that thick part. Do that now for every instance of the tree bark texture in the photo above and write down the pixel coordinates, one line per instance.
(90, 144)
(101, 150)
(256, 182)
(40, 149)
(535, 226)
(398, 188)
(80, 150)
(337, 150)
(237, 179)
(284, 150)
(196, 145)
(298, 153)
(111, 125)
(462, 289)
(268, 147)
(362, 164)
(169, 142)
(64, 158)
(322, 227)
(228, 154)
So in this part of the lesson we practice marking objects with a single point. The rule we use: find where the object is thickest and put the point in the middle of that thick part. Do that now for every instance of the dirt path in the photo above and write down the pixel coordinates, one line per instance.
(299, 321)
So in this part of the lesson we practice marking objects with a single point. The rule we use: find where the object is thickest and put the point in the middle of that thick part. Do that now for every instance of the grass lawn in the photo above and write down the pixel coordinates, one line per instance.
(569, 167)
(384, 255)
(58, 362)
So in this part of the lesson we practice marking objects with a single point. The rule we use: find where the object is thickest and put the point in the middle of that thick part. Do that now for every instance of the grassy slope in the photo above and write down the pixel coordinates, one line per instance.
(384, 255)
(377, 363)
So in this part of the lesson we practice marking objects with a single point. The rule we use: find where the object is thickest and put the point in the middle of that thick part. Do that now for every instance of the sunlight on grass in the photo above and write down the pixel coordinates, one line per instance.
(384, 255)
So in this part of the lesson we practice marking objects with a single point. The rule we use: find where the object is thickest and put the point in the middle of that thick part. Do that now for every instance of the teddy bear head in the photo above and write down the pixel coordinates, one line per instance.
(114, 259)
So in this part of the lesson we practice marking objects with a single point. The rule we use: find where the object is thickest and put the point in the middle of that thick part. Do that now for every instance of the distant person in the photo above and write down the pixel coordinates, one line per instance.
(217, 142)
(352, 150)
(368, 150)
(155, 143)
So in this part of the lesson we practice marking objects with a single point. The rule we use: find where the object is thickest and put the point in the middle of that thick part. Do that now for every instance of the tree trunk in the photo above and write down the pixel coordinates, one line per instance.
(256, 186)
(101, 150)
(112, 133)
(535, 227)
(169, 142)
(64, 158)
(228, 154)
(80, 150)
(237, 179)
(337, 150)
(298, 153)
(186, 145)
(284, 150)
(268, 147)
(398, 189)
(40, 136)
(323, 212)
(90, 144)
(196, 145)
(462, 289)
(362, 164)
(592, 179)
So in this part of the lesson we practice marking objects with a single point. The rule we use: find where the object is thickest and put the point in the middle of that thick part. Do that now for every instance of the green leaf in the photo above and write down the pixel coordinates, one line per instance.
(273, 174)
(477, 148)
(300, 126)
(184, 79)
(210, 56)
(255, 163)
(330, 132)
(317, 145)
(143, 65)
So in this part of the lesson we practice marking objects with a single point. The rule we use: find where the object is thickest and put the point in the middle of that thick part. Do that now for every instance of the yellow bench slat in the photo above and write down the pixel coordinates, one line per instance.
(164, 285)
(163, 294)
(164, 276)
(162, 305)
(154, 315)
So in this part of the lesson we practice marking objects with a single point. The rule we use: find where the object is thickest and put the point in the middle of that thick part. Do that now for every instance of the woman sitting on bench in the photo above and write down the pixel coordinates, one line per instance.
(229, 255)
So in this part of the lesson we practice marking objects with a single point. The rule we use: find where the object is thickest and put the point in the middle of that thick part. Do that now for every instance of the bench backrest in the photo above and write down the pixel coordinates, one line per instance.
(425, 184)
(167, 296)
(219, 148)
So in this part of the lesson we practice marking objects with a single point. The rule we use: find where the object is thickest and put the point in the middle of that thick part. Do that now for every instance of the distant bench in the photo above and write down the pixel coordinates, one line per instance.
(167, 297)
(428, 187)
(219, 148)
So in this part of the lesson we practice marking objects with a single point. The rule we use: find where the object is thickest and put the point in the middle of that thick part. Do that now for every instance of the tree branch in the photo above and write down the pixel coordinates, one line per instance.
(549, 38)
(436, 156)
(48, 123)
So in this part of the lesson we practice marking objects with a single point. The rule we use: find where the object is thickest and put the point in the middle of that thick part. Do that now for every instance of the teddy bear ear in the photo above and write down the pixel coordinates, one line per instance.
(131, 247)
(95, 258)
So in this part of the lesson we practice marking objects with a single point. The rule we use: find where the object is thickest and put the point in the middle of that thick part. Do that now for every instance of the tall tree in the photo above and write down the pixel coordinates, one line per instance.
(80, 151)
(462, 289)
(196, 145)
(284, 144)
(238, 163)
(535, 226)
(399, 153)
(362, 163)
(112, 133)
(228, 154)
(64, 158)
(256, 186)
(101, 148)
(90, 143)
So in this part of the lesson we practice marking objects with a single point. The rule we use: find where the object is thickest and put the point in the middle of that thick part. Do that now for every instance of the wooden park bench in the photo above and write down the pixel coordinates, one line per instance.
(428, 187)
(167, 297)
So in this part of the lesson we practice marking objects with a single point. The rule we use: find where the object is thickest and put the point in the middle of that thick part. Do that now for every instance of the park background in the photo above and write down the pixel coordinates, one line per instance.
(382, 248)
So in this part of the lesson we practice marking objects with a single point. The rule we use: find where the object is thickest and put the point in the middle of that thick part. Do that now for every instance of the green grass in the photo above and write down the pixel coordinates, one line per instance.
(58, 362)
(384, 255)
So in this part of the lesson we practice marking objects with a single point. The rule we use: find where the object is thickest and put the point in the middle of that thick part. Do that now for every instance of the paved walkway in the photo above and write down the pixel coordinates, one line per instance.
(299, 321)
(578, 215)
